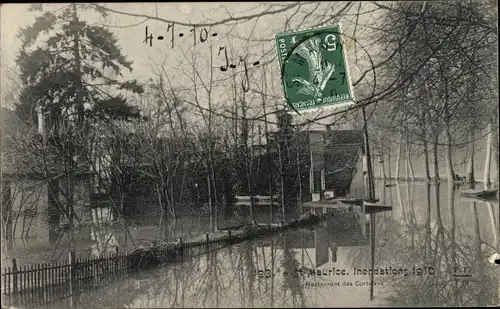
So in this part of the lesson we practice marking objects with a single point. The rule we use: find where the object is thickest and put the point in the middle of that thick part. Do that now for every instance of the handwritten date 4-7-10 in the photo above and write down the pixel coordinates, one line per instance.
(203, 35)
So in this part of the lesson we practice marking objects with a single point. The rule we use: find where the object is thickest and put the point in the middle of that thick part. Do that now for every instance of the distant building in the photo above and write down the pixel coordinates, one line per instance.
(26, 189)
(328, 161)
(343, 155)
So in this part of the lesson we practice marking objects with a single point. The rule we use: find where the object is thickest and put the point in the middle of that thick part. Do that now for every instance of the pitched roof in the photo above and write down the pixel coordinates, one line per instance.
(341, 156)
(346, 137)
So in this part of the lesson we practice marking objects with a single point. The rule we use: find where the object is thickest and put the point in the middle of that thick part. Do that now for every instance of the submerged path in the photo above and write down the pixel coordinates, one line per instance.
(59, 280)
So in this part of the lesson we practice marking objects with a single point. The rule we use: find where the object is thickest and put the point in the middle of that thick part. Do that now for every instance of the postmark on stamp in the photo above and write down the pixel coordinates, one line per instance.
(314, 68)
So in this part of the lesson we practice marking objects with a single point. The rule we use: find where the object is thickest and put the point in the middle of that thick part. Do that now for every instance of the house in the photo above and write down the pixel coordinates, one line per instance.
(344, 165)
(328, 161)
(31, 182)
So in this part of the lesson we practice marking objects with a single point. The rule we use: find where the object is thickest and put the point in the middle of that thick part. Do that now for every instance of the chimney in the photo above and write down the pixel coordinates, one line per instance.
(328, 130)
(41, 122)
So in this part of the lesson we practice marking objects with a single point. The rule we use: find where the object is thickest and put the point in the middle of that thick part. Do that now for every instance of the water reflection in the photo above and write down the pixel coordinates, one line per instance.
(431, 250)
(454, 241)
(101, 232)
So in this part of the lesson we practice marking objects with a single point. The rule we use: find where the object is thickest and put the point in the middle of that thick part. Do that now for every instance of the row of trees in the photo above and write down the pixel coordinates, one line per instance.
(445, 57)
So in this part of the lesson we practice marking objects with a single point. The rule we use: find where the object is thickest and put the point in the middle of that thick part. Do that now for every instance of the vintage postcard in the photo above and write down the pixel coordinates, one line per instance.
(249, 154)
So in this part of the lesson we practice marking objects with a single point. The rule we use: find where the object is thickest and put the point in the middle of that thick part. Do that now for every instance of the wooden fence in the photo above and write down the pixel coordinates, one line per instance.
(43, 283)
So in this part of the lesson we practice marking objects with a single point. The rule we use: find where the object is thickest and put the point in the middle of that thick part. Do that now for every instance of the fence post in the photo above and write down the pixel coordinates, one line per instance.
(9, 273)
(14, 276)
(4, 286)
(31, 280)
(116, 261)
(71, 262)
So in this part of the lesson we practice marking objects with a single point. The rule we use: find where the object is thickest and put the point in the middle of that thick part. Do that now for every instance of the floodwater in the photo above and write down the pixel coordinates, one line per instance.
(432, 249)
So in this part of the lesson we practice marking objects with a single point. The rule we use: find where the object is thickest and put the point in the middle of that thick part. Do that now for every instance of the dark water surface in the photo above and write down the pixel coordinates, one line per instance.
(431, 249)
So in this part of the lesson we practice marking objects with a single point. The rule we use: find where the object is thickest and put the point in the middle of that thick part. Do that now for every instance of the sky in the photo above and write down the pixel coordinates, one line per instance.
(177, 61)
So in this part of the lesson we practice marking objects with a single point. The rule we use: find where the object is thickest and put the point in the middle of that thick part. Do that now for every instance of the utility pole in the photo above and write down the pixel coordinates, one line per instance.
(498, 154)
(372, 252)
(368, 174)
(497, 261)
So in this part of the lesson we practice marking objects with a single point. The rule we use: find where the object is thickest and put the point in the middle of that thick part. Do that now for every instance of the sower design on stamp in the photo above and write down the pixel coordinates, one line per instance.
(314, 68)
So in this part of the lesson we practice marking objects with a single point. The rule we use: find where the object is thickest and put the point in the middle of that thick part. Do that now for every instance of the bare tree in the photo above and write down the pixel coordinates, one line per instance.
(442, 96)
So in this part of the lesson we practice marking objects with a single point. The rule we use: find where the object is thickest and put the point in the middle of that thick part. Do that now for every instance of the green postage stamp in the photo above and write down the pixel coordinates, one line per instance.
(314, 68)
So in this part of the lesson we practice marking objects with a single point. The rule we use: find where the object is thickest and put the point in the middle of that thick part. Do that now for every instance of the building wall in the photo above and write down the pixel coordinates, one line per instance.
(357, 185)
(31, 206)
(81, 195)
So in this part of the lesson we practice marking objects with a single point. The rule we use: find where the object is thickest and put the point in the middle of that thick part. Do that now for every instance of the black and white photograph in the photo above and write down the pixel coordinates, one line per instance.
(249, 154)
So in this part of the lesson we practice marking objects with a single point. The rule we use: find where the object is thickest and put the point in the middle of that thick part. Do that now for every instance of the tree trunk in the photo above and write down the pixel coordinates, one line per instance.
(158, 194)
(426, 162)
(470, 163)
(436, 158)
(451, 207)
(78, 70)
(299, 179)
(412, 172)
(487, 162)
(449, 162)
(389, 162)
(495, 157)
(496, 149)
(270, 169)
(282, 183)
(408, 159)
(398, 158)
(400, 200)
(122, 202)
(210, 207)
(172, 195)
(382, 164)
(423, 119)
(249, 159)
(407, 164)
(493, 223)
(427, 241)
